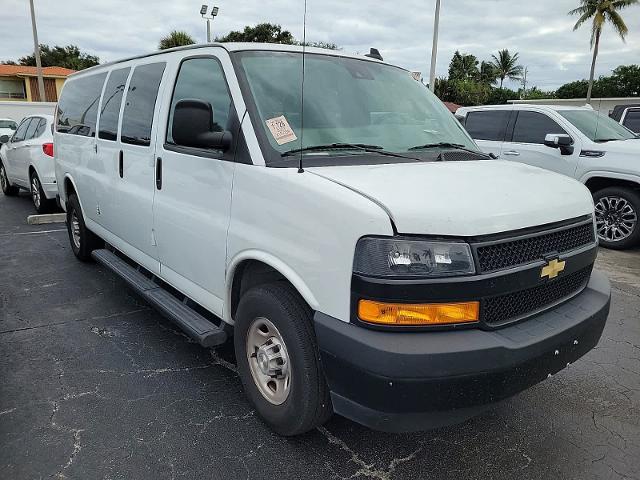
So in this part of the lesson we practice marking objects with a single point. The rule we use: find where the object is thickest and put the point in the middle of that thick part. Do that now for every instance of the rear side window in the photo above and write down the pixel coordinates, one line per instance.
(111, 101)
(140, 104)
(632, 120)
(78, 106)
(31, 130)
(22, 129)
(532, 127)
(488, 124)
(41, 126)
(202, 79)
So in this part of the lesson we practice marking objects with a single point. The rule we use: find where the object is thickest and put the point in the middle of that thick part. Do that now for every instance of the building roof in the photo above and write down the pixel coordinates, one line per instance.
(451, 106)
(25, 71)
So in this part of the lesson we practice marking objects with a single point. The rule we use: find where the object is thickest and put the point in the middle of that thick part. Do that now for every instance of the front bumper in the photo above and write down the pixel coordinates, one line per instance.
(408, 381)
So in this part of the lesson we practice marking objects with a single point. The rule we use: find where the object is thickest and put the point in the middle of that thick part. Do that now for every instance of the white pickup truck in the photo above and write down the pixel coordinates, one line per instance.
(577, 142)
(365, 256)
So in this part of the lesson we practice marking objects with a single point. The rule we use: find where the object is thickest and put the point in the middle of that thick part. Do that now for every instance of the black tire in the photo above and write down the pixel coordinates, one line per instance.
(87, 241)
(40, 201)
(308, 404)
(629, 204)
(8, 189)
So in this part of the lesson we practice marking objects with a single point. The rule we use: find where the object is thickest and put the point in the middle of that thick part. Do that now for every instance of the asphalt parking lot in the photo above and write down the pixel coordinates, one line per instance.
(95, 384)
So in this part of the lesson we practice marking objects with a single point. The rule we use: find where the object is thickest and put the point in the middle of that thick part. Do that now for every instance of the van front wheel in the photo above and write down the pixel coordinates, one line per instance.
(83, 241)
(278, 359)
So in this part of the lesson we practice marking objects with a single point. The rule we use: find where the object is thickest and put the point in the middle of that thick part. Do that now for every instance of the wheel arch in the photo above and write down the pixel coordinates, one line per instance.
(254, 267)
(598, 180)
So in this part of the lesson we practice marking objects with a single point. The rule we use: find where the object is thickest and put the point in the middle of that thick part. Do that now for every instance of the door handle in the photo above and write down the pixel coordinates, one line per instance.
(159, 173)
(513, 153)
(120, 164)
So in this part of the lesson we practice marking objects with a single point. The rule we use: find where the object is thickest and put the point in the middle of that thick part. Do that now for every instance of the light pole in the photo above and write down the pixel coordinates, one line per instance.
(434, 48)
(36, 52)
(203, 13)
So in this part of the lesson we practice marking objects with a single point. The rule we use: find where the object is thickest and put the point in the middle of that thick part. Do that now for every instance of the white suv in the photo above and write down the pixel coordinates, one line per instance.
(365, 256)
(574, 141)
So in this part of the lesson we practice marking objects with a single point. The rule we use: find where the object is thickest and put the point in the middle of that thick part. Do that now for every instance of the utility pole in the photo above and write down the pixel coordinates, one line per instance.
(523, 95)
(36, 52)
(434, 48)
(203, 13)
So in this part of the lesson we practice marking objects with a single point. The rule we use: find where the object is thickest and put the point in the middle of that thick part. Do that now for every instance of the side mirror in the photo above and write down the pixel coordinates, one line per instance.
(559, 140)
(4, 138)
(193, 126)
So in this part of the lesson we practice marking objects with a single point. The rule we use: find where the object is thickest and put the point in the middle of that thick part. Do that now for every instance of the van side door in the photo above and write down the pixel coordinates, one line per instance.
(193, 185)
(133, 168)
(526, 143)
(488, 128)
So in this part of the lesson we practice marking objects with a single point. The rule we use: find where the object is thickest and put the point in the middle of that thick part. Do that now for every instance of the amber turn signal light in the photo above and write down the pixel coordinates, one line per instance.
(418, 314)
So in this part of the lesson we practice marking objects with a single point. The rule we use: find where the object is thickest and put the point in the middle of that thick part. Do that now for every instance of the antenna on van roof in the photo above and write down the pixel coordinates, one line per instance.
(304, 47)
(374, 53)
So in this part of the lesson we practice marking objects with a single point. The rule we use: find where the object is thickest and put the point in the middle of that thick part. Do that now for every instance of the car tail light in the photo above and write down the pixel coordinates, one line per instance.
(47, 148)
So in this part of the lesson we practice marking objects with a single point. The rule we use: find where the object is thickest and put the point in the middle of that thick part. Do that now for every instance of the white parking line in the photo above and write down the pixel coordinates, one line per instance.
(33, 233)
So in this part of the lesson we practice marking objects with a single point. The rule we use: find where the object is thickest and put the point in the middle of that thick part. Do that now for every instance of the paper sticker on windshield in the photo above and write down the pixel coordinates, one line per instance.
(281, 131)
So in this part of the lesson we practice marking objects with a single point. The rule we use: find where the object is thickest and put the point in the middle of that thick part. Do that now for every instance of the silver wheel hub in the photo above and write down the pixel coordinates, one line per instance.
(75, 229)
(616, 218)
(268, 361)
(35, 191)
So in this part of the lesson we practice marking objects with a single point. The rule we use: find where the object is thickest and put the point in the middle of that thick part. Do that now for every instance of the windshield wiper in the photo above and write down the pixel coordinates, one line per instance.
(347, 146)
(604, 140)
(454, 146)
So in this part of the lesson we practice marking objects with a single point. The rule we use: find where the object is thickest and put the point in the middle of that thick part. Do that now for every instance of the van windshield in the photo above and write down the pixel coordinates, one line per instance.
(597, 127)
(346, 101)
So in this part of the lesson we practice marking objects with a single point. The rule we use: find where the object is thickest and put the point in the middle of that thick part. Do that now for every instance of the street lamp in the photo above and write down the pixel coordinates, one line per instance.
(203, 13)
(434, 48)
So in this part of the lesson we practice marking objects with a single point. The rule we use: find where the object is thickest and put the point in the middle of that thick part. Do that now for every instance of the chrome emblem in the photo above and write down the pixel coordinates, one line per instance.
(552, 269)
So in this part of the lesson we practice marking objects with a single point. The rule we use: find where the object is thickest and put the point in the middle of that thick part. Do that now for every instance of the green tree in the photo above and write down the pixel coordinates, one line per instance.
(601, 12)
(506, 66)
(263, 33)
(57, 56)
(627, 79)
(176, 38)
(463, 67)
(488, 73)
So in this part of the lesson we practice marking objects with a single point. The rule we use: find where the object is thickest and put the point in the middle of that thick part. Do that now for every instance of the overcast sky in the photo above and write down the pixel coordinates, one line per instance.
(402, 30)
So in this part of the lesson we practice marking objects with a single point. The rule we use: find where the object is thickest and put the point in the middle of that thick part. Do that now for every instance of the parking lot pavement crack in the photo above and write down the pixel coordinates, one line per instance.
(8, 411)
(366, 469)
(77, 446)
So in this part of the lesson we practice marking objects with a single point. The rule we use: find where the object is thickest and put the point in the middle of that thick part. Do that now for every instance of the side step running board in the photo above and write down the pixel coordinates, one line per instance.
(195, 325)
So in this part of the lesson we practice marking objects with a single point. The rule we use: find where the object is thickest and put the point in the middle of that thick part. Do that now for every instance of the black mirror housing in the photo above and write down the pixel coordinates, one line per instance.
(4, 138)
(561, 141)
(192, 126)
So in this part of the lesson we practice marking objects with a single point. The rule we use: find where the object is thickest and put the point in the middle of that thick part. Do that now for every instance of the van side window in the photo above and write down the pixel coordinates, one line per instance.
(202, 79)
(33, 126)
(140, 104)
(111, 101)
(632, 120)
(532, 127)
(78, 106)
(19, 135)
(487, 125)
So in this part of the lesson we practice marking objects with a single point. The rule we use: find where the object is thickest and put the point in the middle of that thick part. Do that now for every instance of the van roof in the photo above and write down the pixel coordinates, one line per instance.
(234, 47)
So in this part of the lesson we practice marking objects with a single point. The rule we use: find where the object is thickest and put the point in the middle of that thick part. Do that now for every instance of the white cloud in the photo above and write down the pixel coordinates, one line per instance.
(540, 31)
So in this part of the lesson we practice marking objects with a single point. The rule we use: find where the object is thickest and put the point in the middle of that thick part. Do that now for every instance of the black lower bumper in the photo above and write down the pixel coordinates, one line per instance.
(407, 381)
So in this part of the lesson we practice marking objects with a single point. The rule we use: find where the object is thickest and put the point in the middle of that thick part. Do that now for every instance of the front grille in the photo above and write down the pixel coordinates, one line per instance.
(503, 309)
(517, 252)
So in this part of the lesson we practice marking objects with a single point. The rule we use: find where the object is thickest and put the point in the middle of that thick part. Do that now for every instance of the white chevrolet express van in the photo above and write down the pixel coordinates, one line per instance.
(365, 256)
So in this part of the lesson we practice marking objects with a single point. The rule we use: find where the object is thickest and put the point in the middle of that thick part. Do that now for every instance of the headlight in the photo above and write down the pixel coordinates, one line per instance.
(401, 257)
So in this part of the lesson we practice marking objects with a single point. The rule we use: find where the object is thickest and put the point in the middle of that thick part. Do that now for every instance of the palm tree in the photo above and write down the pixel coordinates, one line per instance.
(175, 39)
(601, 11)
(506, 66)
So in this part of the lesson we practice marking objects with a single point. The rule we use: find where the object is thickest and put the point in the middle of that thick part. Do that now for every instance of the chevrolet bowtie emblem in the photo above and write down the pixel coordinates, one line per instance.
(552, 269)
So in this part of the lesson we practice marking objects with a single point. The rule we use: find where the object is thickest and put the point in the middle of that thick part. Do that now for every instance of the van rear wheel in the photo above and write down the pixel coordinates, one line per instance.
(83, 241)
(8, 189)
(617, 217)
(278, 359)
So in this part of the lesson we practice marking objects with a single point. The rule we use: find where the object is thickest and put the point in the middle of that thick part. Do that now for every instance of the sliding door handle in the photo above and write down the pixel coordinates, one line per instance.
(120, 164)
(159, 173)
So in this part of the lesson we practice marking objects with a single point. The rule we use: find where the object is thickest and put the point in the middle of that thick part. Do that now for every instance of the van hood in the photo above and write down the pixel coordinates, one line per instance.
(464, 198)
